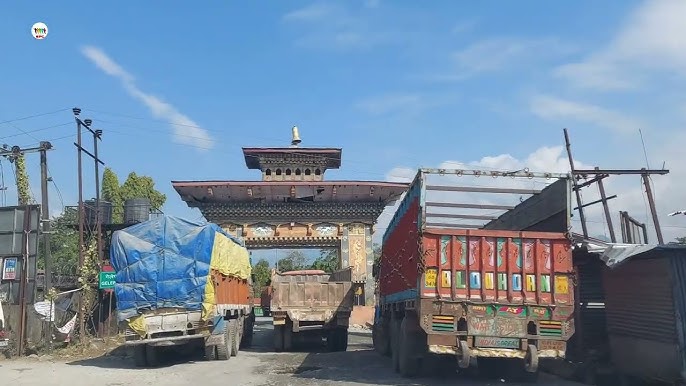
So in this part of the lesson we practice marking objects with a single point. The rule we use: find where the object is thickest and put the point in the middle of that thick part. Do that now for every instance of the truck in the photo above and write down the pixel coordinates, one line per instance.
(312, 301)
(499, 295)
(183, 284)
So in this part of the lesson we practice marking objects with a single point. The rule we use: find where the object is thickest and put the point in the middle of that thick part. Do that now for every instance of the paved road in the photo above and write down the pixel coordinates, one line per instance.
(360, 365)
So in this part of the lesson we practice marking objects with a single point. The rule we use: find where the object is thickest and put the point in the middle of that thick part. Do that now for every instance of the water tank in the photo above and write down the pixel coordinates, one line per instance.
(89, 212)
(136, 210)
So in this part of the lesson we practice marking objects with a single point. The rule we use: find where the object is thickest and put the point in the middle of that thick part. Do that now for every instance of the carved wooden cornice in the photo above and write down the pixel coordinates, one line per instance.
(333, 211)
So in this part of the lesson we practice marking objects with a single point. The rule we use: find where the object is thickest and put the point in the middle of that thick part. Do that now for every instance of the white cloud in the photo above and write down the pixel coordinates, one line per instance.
(652, 38)
(185, 130)
(631, 197)
(556, 109)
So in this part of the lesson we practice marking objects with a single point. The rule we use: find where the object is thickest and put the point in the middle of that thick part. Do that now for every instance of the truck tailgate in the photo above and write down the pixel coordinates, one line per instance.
(497, 266)
(312, 295)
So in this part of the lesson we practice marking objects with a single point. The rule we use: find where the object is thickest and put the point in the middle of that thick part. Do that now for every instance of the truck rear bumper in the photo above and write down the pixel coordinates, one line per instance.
(171, 340)
(494, 352)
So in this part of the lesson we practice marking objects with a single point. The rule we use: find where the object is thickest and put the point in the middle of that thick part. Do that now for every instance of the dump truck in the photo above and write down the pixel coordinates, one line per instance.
(313, 301)
(501, 293)
(183, 284)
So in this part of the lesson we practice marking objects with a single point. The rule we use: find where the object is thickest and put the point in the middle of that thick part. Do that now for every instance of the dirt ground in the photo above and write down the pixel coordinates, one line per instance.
(360, 365)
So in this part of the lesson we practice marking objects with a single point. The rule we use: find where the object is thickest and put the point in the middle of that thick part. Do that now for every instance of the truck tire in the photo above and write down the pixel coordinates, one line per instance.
(337, 339)
(248, 329)
(409, 364)
(224, 347)
(278, 338)
(380, 338)
(151, 355)
(139, 358)
(211, 353)
(288, 337)
(234, 336)
(395, 337)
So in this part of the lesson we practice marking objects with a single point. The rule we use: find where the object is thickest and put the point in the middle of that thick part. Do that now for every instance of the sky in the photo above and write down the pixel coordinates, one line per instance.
(179, 89)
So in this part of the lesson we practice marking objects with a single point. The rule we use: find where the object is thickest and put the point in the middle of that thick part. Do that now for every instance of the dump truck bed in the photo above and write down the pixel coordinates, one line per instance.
(311, 295)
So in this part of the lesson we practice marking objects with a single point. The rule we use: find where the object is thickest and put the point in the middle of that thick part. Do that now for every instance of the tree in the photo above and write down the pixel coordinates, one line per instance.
(23, 188)
(110, 193)
(64, 244)
(135, 186)
(327, 261)
(262, 273)
(294, 261)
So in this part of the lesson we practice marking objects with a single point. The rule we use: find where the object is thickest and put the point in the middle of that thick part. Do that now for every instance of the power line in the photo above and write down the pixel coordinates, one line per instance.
(34, 116)
(27, 132)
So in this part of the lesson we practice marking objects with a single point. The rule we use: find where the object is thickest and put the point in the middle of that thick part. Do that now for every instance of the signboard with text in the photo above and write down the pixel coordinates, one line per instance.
(9, 268)
(107, 280)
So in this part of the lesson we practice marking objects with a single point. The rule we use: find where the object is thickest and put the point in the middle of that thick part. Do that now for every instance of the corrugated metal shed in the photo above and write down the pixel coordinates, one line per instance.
(645, 299)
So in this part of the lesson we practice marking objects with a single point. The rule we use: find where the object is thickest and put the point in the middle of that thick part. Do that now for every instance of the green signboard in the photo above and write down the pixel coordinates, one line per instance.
(107, 280)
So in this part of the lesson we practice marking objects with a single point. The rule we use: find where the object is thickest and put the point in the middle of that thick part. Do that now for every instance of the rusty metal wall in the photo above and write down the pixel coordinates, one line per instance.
(641, 320)
(336, 295)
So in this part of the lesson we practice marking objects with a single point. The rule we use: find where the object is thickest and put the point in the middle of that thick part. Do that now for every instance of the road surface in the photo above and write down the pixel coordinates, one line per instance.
(359, 366)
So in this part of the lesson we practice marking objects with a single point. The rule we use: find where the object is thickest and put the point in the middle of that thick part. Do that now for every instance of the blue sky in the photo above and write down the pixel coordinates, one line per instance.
(179, 89)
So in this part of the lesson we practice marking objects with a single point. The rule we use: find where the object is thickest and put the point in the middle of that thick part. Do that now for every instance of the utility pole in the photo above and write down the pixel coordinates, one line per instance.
(651, 202)
(96, 135)
(44, 147)
(576, 188)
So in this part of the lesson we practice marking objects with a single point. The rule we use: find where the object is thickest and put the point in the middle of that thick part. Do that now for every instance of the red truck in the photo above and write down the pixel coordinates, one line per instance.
(502, 292)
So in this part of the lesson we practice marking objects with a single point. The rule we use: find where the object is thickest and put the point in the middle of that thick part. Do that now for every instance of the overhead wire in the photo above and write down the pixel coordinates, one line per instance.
(34, 116)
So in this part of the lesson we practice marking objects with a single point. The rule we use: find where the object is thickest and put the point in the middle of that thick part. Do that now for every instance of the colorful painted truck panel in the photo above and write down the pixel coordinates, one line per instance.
(488, 293)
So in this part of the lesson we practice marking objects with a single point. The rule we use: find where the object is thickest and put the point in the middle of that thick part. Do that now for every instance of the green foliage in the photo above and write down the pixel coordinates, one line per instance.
(110, 193)
(23, 189)
(294, 261)
(328, 260)
(135, 186)
(64, 244)
(262, 273)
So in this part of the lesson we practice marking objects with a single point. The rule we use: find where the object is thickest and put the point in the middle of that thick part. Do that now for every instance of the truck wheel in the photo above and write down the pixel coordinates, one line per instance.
(278, 338)
(211, 353)
(151, 355)
(380, 339)
(234, 339)
(409, 364)
(343, 339)
(224, 347)
(288, 337)
(248, 329)
(395, 336)
(139, 355)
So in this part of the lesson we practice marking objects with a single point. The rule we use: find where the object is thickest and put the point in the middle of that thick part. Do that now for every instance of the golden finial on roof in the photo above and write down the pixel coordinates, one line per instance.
(296, 137)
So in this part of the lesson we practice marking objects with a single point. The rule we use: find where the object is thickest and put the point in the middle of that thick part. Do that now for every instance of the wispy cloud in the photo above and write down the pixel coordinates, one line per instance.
(312, 13)
(553, 108)
(333, 26)
(652, 38)
(498, 54)
(185, 130)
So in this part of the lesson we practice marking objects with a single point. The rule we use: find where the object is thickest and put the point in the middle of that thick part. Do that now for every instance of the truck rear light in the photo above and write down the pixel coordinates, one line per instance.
(3, 335)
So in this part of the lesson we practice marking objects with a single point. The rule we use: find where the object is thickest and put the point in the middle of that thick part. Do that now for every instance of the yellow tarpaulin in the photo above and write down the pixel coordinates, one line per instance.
(230, 259)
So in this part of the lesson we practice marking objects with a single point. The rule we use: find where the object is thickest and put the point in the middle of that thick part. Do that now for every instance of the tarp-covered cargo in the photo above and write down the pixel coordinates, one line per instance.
(167, 262)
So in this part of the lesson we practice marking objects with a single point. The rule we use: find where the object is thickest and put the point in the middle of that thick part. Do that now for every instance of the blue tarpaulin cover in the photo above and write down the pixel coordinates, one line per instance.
(162, 263)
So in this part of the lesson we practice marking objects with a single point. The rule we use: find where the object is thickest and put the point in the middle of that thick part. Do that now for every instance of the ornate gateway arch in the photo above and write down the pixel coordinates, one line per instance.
(293, 206)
